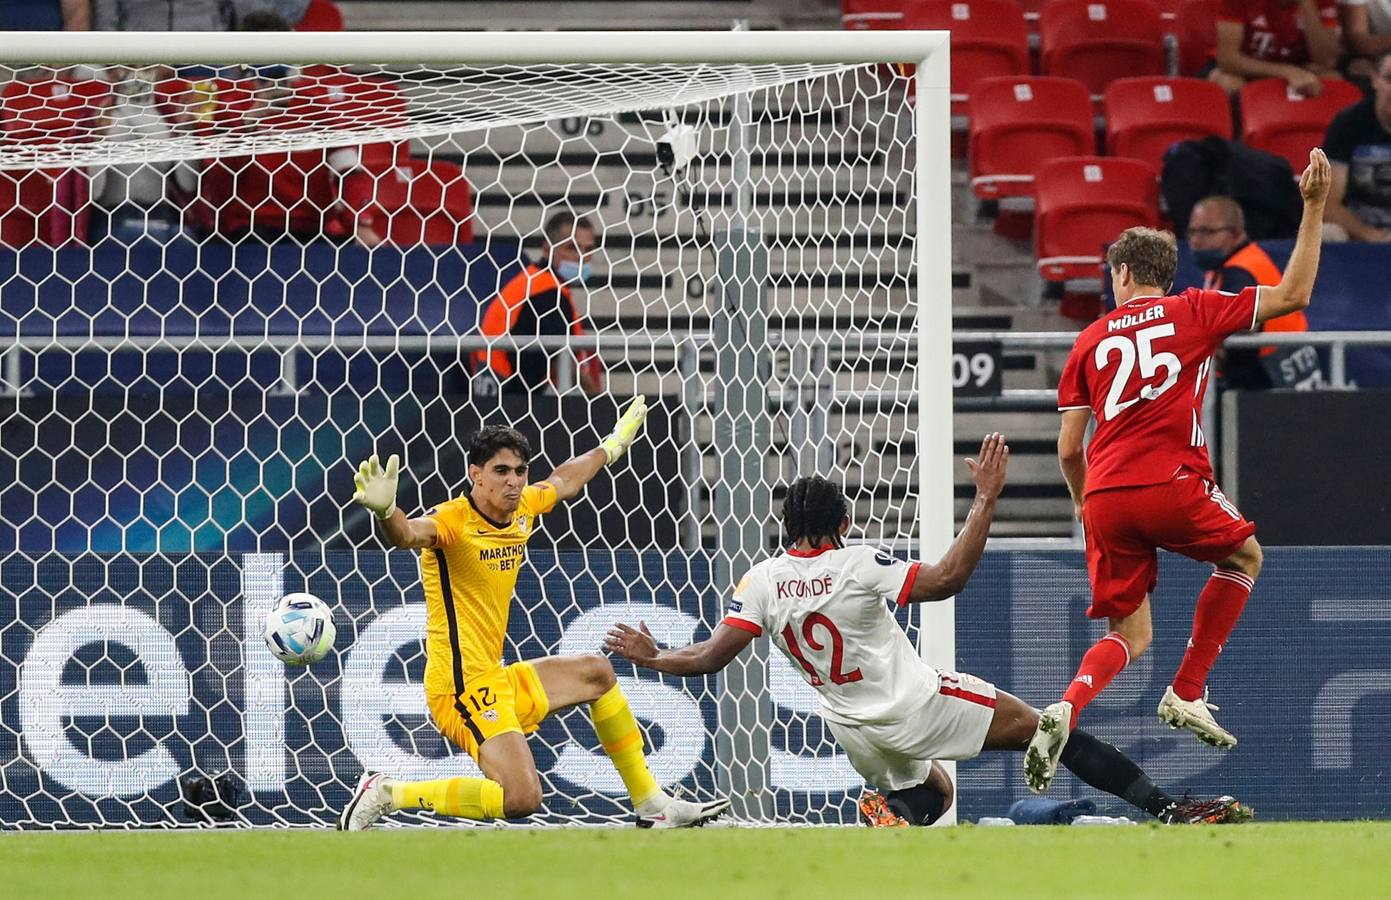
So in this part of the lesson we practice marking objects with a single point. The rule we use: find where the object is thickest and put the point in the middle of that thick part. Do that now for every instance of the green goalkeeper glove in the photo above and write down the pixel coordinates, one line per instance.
(376, 487)
(626, 431)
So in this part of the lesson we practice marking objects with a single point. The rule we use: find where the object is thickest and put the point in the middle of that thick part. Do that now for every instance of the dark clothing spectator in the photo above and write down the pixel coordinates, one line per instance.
(292, 11)
(1230, 262)
(1358, 144)
(532, 303)
(164, 15)
(45, 15)
(538, 301)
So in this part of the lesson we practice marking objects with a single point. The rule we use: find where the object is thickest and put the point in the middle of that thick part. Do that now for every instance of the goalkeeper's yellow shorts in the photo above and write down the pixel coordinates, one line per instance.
(496, 702)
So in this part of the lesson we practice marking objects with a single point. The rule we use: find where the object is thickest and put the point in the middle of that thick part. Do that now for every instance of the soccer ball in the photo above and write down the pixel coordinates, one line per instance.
(300, 631)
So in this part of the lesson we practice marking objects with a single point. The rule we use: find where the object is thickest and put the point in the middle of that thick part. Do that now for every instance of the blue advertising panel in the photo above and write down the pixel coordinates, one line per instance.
(120, 673)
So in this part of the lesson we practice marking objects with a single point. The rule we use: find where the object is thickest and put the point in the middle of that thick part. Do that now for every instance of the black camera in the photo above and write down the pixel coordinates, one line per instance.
(211, 800)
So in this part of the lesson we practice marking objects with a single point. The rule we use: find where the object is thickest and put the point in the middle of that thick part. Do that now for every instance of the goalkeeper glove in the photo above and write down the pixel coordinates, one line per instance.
(376, 487)
(626, 431)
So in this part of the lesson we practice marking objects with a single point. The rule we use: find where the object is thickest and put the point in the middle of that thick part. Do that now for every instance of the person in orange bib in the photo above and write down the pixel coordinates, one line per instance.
(538, 301)
(1231, 262)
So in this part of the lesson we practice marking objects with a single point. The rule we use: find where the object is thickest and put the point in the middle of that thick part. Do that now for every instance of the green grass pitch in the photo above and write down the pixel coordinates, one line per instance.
(1341, 860)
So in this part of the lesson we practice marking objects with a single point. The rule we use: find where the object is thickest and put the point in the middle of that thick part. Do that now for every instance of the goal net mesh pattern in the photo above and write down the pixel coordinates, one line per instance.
(223, 287)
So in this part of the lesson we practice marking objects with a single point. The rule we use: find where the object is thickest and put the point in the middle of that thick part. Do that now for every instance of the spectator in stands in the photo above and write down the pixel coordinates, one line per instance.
(46, 15)
(165, 15)
(1296, 40)
(1230, 262)
(291, 11)
(133, 201)
(1366, 32)
(538, 301)
(1358, 144)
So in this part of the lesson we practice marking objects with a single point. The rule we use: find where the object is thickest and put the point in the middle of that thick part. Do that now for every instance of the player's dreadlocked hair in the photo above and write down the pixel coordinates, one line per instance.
(493, 438)
(813, 510)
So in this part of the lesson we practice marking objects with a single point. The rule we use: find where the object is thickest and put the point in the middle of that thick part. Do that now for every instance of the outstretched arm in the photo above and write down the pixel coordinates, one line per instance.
(1297, 286)
(950, 574)
(708, 656)
(570, 477)
(376, 490)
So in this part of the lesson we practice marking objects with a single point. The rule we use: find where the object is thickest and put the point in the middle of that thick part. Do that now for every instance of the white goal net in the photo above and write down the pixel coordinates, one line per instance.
(223, 285)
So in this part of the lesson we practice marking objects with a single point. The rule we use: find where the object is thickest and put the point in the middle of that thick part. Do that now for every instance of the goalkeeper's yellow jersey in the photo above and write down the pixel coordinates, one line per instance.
(469, 576)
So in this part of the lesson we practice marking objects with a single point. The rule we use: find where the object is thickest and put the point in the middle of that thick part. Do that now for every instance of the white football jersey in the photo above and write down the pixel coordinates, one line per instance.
(828, 612)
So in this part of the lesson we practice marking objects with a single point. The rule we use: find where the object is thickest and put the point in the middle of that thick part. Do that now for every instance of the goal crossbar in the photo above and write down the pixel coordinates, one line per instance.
(465, 48)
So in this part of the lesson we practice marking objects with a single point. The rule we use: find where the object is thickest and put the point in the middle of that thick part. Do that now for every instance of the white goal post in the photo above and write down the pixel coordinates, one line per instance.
(182, 408)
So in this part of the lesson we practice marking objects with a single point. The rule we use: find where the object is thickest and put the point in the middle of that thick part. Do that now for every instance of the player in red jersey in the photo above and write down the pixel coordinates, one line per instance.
(1146, 480)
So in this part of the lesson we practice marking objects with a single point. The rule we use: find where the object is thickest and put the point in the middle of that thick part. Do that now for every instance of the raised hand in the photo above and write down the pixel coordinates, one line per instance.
(989, 470)
(1317, 177)
(376, 487)
(626, 431)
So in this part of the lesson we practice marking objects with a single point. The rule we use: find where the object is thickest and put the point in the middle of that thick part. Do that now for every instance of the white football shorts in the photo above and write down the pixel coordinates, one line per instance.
(951, 724)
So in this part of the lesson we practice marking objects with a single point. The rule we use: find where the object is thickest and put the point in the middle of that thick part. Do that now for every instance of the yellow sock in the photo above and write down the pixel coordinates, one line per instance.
(468, 798)
(618, 732)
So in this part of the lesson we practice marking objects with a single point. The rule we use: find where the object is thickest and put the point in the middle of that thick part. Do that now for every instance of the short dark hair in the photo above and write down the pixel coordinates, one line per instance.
(814, 508)
(565, 223)
(1151, 254)
(492, 439)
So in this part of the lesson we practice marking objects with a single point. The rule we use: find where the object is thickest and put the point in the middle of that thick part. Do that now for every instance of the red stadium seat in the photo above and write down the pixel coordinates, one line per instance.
(1168, 13)
(48, 206)
(328, 97)
(1017, 124)
(871, 15)
(1098, 41)
(53, 110)
(988, 39)
(1146, 116)
(416, 202)
(1195, 28)
(1083, 202)
(1032, 9)
(1277, 120)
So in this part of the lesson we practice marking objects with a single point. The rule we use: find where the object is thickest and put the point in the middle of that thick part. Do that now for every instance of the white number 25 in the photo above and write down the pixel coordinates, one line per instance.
(1150, 364)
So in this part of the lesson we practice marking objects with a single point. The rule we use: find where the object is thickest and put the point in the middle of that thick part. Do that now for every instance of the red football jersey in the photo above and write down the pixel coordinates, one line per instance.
(1273, 32)
(1142, 370)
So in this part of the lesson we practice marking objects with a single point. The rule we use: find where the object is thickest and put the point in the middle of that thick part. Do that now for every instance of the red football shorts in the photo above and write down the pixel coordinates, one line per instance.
(1125, 526)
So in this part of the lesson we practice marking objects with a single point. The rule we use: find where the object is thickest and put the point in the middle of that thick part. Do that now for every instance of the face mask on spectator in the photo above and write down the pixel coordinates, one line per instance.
(569, 270)
(1209, 259)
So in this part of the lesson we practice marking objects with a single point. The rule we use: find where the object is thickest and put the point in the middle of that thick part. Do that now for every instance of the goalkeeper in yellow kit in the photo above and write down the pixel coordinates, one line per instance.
(471, 549)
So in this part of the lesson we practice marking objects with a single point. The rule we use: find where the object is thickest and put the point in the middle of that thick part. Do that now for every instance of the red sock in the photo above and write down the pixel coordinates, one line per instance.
(1102, 662)
(1219, 606)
